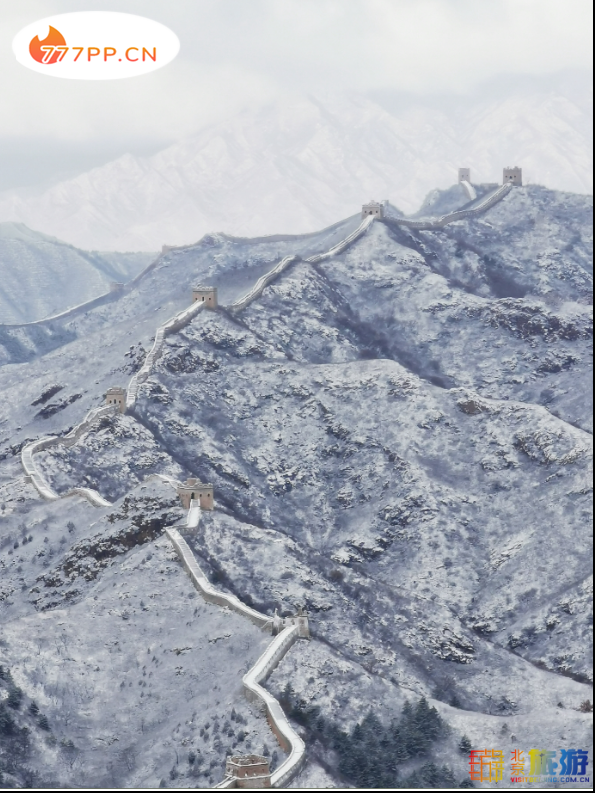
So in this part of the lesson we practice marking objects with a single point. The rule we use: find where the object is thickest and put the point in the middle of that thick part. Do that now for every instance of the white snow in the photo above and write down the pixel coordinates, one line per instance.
(300, 164)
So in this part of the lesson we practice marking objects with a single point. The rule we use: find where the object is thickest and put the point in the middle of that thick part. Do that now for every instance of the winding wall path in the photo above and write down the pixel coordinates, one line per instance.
(289, 740)
(172, 325)
(452, 217)
(36, 477)
(209, 592)
(273, 274)
(286, 735)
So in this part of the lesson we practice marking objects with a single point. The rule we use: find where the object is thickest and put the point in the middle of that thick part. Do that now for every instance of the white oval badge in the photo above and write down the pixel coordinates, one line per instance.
(95, 45)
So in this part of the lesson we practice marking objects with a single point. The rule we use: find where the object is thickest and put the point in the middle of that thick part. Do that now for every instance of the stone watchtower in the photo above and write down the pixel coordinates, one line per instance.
(373, 208)
(300, 619)
(116, 396)
(206, 295)
(248, 771)
(195, 490)
(513, 176)
(465, 175)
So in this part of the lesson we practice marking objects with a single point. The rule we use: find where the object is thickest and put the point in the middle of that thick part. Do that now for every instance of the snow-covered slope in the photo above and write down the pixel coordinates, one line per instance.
(131, 671)
(297, 165)
(41, 276)
(398, 437)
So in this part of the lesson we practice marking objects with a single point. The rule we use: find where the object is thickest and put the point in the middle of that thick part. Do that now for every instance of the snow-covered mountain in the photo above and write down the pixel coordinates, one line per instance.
(41, 275)
(399, 438)
(297, 165)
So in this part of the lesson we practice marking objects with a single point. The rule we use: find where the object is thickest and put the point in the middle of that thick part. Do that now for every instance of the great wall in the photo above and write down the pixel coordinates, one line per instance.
(253, 770)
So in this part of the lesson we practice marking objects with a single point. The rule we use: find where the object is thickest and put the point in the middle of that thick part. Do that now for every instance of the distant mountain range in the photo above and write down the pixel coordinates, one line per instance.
(41, 275)
(297, 165)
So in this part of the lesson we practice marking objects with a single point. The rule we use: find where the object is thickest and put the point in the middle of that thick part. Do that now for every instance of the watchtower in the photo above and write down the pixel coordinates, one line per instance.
(206, 295)
(195, 490)
(300, 619)
(373, 208)
(513, 176)
(116, 396)
(465, 175)
(249, 771)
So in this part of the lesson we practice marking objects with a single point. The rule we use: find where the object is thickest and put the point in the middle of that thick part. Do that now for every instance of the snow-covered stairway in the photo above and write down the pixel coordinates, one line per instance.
(172, 325)
(469, 189)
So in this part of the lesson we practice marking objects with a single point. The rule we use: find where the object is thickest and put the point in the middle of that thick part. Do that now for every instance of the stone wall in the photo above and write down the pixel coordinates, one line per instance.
(373, 208)
(295, 627)
(287, 737)
(469, 189)
(209, 592)
(273, 274)
(35, 476)
(206, 295)
(461, 214)
(173, 325)
(116, 396)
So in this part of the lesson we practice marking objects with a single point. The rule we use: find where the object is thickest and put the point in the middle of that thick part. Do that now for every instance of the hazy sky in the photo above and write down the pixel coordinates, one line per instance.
(239, 52)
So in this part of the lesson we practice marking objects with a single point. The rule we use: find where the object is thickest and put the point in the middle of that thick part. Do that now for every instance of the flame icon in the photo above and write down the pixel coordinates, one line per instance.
(51, 49)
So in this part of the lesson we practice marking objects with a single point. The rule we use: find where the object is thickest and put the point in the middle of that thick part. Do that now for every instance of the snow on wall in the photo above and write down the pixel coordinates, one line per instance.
(193, 517)
(262, 282)
(343, 244)
(269, 277)
(35, 476)
(172, 325)
(280, 725)
(209, 592)
(429, 225)
(289, 740)
(469, 189)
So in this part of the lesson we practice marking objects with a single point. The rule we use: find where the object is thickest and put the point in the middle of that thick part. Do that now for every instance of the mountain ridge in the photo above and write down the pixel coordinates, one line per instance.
(42, 275)
(380, 429)
(296, 165)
